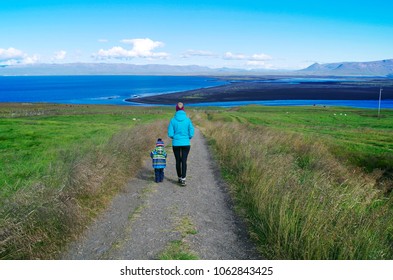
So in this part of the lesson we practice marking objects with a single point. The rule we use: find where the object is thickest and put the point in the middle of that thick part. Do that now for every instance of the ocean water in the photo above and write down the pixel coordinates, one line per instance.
(295, 80)
(115, 89)
(367, 104)
(94, 89)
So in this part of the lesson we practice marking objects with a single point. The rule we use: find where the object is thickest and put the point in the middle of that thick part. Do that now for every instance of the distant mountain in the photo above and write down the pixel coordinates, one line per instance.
(116, 69)
(373, 68)
(100, 69)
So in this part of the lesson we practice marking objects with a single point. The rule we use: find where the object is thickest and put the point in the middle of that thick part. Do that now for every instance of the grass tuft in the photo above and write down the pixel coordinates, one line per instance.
(177, 250)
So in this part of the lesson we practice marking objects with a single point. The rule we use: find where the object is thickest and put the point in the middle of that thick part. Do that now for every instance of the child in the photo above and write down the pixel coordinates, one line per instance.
(159, 160)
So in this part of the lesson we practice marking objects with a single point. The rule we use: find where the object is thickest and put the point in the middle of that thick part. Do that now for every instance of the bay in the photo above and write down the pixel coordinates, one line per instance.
(366, 104)
(113, 90)
(95, 89)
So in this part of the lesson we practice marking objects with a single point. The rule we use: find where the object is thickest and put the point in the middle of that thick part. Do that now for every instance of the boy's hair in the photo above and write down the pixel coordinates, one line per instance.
(159, 142)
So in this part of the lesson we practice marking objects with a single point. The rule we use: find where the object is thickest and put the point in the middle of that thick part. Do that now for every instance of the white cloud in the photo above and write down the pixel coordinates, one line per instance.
(31, 59)
(190, 53)
(9, 62)
(10, 53)
(258, 60)
(261, 57)
(259, 64)
(60, 55)
(141, 48)
(255, 63)
(115, 52)
(12, 56)
(232, 56)
(239, 56)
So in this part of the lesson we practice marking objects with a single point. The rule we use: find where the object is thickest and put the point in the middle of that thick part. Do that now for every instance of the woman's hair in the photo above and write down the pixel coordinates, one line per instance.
(179, 106)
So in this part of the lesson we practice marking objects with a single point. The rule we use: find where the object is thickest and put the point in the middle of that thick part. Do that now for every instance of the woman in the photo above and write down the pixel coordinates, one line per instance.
(181, 130)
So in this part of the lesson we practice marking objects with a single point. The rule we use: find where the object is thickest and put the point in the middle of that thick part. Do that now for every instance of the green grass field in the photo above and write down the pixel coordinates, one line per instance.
(356, 135)
(59, 166)
(312, 182)
(29, 145)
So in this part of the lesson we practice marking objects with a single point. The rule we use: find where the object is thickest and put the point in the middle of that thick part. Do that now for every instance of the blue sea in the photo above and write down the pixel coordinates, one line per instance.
(366, 104)
(95, 89)
(115, 89)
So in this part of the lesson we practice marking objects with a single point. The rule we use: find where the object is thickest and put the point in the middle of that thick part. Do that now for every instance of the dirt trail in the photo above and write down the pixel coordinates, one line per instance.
(146, 217)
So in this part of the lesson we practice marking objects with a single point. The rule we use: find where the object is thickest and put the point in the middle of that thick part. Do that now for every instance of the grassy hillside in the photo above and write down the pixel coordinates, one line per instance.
(355, 135)
(59, 166)
(33, 137)
(313, 183)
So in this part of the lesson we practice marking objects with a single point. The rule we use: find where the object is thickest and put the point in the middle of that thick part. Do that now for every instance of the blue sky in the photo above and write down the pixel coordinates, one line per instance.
(242, 34)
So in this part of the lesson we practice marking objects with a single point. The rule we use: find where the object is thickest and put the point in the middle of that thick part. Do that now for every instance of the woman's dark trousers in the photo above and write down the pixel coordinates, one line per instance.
(181, 154)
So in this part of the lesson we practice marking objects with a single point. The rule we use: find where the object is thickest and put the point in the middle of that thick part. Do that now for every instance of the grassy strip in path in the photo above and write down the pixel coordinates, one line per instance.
(179, 249)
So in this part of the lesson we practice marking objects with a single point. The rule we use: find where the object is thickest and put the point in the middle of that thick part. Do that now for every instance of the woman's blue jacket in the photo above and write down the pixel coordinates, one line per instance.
(180, 129)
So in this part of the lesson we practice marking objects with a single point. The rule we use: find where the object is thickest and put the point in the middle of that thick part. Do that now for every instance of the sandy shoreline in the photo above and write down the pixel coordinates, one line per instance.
(258, 91)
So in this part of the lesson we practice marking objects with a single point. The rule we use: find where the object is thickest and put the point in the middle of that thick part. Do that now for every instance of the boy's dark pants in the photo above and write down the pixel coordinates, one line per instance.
(159, 174)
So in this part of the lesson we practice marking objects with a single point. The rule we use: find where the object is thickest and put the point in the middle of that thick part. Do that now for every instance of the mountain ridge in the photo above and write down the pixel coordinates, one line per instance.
(372, 68)
(117, 69)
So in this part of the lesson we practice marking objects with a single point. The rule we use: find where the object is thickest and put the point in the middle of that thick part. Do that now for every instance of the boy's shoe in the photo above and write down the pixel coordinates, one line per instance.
(179, 180)
(183, 182)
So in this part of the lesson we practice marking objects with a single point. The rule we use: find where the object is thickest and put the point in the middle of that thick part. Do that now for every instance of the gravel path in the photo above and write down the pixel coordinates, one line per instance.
(146, 217)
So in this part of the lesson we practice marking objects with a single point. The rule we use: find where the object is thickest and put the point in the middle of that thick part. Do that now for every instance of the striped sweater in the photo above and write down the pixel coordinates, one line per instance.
(159, 157)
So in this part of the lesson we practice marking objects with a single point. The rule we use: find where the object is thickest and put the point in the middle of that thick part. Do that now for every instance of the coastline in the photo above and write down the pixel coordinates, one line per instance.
(257, 90)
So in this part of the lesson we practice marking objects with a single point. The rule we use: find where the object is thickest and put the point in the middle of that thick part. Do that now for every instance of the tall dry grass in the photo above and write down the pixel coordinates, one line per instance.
(300, 201)
(39, 220)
